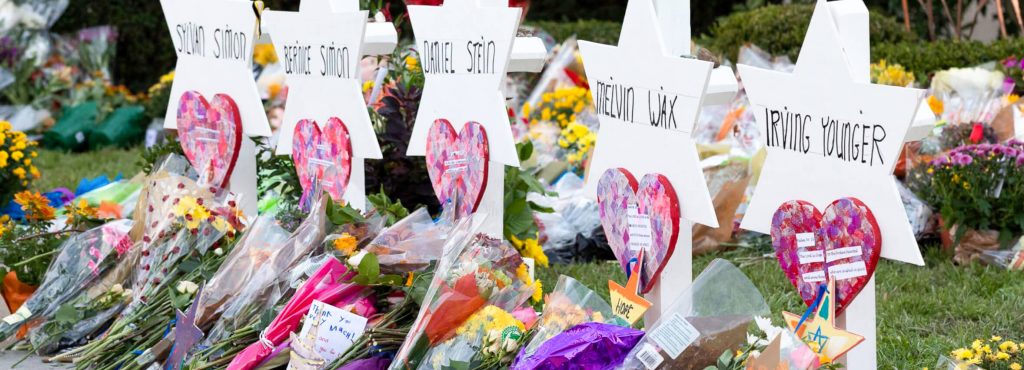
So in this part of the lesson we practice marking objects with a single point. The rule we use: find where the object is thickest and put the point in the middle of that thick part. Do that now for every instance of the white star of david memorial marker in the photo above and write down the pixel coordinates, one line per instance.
(213, 40)
(647, 100)
(830, 134)
(465, 48)
(321, 53)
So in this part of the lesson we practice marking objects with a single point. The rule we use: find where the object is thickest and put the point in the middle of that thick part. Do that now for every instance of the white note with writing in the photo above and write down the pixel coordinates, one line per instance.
(337, 329)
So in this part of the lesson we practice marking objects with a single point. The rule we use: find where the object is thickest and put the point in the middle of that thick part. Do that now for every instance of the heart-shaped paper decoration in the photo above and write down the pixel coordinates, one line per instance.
(457, 163)
(636, 217)
(210, 135)
(843, 244)
(323, 155)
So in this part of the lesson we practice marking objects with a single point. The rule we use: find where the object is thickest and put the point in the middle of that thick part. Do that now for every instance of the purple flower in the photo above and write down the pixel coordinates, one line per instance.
(1020, 160)
(1010, 62)
(962, 160)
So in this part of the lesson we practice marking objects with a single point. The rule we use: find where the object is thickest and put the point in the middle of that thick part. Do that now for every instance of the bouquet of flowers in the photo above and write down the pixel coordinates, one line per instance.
(1013, 68)
(978, 188)
(717, 309)
(569, 305)
(883, 73)
(81, 259)
(475, 281)
(967, 100)
(326, 285)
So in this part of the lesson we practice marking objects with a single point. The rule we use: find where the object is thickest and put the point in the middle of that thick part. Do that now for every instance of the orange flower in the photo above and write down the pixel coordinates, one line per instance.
(35, 205)
(108, 210)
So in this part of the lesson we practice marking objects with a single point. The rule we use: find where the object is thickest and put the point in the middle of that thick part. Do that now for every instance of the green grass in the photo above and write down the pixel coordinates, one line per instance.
(61, 169)
(922, 311)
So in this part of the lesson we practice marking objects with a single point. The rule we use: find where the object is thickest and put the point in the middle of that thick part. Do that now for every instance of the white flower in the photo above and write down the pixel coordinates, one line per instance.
(127, 293)
(754, 354)
(218, 251)
(356, 258)
(187, 287)
(510, 345)
(970, 83)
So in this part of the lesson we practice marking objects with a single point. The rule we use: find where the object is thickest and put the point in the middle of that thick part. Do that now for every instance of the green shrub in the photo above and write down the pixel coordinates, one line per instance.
(605, 32)
(780, 30)
(925, 58)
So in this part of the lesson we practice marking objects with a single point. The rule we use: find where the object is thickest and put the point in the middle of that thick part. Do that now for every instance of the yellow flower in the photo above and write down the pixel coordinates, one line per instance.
(34, 171)
(1009, 347)
(563, 143)
(1002, 356)
(936, 105)
(273, 89)
(263, 54)
(523, 273)
(412, 63)
(526, 109)
(545, 115)
(35, 205)
(367, 86)
(962, 354)
(1012, 99)
(534, 250)
(538, 291)
(996, 338)
(1015, 366)
(345, 244)
(20, 172)
(223, 225)
(5, 126)
(82, 210)
(184, 206)
(17, 155)
(195, 216)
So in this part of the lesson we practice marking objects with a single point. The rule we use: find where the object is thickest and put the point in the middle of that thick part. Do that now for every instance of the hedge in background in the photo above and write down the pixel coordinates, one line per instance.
(605, 32)
(925, 59)
(144, 48)
(780, 29)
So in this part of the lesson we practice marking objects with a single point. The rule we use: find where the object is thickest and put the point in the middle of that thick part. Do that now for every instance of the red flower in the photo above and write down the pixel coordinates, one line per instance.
(456, 305)
(977, 133)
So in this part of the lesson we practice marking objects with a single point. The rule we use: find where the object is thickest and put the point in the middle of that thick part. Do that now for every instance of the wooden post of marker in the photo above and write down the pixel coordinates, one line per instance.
(493, 203)
(851, 18)
(675, 278)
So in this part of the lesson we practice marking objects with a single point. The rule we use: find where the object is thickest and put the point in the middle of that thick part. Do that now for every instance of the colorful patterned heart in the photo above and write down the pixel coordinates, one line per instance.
(210, 135)
(637, 217)
(323, 155)
(842, 244)
(457, 163)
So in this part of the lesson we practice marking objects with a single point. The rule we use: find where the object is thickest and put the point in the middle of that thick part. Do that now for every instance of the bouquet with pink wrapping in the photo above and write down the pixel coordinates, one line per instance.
(326, 285)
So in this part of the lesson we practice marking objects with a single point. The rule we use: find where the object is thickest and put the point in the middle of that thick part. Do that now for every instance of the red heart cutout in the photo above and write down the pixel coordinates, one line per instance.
(323, 156)
(843, 243)
(457, 164)
(636, 217)
(210, 135)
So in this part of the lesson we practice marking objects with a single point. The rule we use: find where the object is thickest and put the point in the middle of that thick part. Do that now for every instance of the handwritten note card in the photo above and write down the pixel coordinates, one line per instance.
(336, 329)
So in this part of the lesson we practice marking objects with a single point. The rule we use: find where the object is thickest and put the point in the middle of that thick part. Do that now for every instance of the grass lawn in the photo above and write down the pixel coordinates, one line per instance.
(922, 311)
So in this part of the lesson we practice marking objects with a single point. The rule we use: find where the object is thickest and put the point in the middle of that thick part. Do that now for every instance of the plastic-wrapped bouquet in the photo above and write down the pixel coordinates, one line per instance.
(81, 260)
(559, 340)
(477, 274)
(708, 319)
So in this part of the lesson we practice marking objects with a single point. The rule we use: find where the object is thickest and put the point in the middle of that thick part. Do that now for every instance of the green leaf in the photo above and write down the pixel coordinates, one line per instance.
(188, 265)
(539, 208)
(343, 214)
(67, 313)
(369, 268)
(391, 279)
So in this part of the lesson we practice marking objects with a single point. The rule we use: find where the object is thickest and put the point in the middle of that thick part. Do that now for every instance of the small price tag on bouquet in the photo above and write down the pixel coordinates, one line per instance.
(626, 303)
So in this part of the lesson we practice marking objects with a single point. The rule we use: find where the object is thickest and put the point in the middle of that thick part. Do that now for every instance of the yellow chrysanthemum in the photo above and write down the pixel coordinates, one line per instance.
(412, 64)
(1015, 366)
(1009, 347)
(538, 291)
(345, 244)
(264, 54)
(20, 172)
(367, 86)
(936, 105)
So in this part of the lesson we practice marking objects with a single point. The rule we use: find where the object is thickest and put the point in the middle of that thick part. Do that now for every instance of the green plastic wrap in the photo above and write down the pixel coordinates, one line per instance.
(123, 128)
(74, 127)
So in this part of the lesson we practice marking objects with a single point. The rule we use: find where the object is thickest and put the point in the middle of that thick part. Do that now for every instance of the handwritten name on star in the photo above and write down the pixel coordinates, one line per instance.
(219, 43)
(619, 100)
(828, 136)
(477, 56)
(329, 60)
